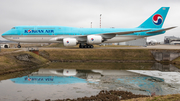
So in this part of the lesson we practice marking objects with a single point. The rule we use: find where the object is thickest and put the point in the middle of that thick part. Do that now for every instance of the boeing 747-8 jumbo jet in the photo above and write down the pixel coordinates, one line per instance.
(87, 37)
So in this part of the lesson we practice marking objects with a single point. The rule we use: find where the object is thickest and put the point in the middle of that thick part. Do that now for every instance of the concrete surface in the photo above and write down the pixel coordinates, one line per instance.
(148, 47)
(133, 47)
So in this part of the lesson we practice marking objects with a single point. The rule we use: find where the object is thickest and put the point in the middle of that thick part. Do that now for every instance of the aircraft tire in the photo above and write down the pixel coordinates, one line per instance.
(19, 46)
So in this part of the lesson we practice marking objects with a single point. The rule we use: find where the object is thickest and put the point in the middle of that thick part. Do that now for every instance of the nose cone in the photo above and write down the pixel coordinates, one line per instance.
(3, 35)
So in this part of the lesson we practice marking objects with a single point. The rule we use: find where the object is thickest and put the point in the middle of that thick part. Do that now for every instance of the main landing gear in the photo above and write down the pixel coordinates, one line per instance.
(19, 46)
(86, 46)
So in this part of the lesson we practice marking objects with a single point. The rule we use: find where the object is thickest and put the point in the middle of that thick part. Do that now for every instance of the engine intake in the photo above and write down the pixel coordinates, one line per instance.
(94, 39)
(69, 42)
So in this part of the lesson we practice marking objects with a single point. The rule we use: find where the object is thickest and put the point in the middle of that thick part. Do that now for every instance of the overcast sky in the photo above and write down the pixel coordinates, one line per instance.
(80, 13)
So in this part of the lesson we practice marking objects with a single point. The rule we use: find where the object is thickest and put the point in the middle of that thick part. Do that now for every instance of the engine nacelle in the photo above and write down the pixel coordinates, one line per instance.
(94, 39)
(69, 42)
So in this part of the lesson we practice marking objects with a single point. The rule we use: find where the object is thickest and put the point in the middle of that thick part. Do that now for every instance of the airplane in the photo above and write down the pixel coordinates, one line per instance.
(87, 37)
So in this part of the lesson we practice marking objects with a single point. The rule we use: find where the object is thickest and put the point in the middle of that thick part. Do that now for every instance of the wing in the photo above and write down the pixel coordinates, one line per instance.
(127, 32)
(83, 38)
(165, 29)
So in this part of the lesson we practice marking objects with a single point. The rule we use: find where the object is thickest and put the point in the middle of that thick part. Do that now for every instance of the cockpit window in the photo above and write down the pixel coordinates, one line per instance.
(13, 28)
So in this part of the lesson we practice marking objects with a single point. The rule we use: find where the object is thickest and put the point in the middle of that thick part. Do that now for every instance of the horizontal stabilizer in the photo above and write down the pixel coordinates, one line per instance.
(161, 30)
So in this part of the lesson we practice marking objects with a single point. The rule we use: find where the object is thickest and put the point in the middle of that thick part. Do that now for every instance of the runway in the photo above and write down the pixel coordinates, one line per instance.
(110, 47)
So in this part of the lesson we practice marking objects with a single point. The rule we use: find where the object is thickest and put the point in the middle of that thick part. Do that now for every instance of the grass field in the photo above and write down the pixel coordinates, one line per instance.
(9, 63)
(7, 50)
(100, 54)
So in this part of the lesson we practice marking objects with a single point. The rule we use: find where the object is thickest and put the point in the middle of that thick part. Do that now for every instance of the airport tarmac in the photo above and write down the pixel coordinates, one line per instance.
(128, 47)
(116, 47)
(148, 47)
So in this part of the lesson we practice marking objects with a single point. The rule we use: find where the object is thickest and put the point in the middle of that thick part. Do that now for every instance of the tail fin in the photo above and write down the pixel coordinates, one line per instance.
(156, 20)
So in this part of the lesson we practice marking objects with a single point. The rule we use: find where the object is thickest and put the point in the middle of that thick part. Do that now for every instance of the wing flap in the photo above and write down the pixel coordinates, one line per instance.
(161, 30)
(127, 32)
(57, 39)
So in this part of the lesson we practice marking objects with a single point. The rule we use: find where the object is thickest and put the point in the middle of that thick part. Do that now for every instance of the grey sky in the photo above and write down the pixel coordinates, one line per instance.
(80, 13)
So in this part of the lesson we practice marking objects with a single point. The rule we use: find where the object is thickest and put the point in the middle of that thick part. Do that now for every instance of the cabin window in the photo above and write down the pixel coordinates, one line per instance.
(28, 28)
(13, 28)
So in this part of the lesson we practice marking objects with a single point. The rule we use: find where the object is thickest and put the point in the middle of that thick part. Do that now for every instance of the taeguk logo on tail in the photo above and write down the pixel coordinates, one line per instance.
(157, 19)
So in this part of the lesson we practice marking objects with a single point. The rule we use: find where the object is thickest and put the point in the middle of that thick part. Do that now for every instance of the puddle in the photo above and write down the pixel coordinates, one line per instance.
(74, 83)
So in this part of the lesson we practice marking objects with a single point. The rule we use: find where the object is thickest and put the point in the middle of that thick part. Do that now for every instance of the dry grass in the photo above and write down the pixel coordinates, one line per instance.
(7, 50)
(100, 54)
(8, 62)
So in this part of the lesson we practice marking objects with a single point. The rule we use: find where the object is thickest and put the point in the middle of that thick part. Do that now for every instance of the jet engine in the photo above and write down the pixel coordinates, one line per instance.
(94, 39)
(69, 42)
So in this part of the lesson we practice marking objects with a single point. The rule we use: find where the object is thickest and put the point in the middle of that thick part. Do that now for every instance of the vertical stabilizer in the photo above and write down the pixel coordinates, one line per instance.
(156, 20)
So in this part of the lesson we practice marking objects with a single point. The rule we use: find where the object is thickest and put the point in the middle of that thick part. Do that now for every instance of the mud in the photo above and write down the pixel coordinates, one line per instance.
(24, 57)
(112, 95)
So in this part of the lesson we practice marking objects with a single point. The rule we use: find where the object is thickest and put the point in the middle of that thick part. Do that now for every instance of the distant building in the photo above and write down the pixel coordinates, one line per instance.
(171, 40)
(152, 42)
(137, 42)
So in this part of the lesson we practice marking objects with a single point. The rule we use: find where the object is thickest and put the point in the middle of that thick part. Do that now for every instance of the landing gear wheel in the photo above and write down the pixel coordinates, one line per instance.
(92, 46)
(85, 46)
(19, 46)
